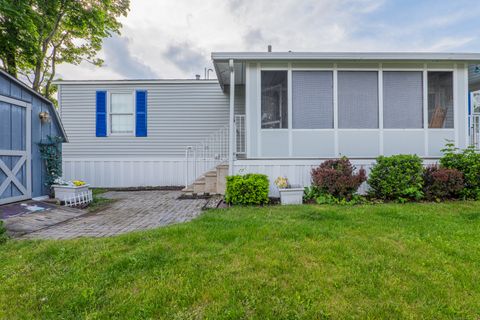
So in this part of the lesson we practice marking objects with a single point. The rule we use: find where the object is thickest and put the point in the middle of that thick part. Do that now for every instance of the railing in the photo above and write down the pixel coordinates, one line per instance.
(206, 155)
(475, 130)
(213, 150)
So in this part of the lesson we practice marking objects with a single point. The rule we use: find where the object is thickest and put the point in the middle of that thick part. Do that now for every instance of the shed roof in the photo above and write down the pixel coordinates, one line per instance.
(39, 96)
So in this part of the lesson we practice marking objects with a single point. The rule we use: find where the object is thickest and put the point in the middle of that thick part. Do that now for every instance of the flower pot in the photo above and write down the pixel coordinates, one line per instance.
(291, 196)
(67, 192)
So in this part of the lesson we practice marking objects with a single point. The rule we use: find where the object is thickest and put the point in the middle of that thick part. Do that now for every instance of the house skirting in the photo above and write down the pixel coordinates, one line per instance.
(126, 172)
(297, 170)
(159, 172)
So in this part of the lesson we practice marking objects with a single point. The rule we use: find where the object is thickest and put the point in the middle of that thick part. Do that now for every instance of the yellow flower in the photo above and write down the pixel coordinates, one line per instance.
(78, 183)
(281, 182)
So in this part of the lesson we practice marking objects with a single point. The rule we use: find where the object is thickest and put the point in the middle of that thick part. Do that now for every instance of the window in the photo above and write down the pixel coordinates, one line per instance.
(121, 113)
(357, 99)
(274, 100)
(312, 99)
(402, 99)
(440, 99)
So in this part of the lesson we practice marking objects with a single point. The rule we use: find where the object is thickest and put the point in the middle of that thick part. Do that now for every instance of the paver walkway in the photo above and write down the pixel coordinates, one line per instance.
(133, 210)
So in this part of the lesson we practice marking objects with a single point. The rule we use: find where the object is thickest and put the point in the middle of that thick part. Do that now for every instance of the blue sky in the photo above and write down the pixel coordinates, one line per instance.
(174, 38)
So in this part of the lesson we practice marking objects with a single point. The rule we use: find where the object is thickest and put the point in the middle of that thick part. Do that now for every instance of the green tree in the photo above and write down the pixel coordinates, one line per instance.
(41, 34)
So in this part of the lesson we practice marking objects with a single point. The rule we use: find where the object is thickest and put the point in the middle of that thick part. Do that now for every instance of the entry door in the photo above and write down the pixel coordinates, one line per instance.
(15, 150)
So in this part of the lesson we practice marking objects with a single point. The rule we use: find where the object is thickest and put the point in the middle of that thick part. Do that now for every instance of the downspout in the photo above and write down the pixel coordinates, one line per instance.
(231, 152)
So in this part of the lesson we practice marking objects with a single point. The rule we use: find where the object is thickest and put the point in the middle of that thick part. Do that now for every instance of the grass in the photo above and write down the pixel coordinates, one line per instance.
(384, 261)
(99, 202)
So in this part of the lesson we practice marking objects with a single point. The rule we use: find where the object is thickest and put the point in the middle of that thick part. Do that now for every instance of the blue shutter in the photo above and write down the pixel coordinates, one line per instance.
(101, 118)
(141, 114)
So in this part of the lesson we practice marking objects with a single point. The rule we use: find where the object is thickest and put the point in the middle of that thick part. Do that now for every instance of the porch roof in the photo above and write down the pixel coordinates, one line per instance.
(221, 59)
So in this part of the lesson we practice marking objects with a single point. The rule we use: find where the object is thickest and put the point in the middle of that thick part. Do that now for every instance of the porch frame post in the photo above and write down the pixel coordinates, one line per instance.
(231, 145)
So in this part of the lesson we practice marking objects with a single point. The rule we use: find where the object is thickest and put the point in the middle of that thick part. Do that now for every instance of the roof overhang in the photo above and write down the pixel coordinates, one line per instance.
(221, 59)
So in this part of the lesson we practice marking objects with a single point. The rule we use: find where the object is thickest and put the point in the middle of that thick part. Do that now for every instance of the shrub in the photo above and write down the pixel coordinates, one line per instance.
(249, 189)
(468, 163)
(442, 183)
(337, 178)
(3, 233)
(397, 177)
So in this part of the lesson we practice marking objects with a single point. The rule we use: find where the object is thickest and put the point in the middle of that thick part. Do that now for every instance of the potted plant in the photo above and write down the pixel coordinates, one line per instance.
(289, 194)
(64, 190)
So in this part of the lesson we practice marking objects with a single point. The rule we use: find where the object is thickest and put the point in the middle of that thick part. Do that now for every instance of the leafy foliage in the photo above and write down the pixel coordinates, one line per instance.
(442, 183)
(51, 152)
(3, 233)
(337, 178)
(249, 189)
(397, 177)
(466, 161)
(39, 34)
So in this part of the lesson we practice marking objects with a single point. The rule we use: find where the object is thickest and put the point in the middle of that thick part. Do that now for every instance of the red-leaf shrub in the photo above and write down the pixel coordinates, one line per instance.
(337, 177)
(442, 183)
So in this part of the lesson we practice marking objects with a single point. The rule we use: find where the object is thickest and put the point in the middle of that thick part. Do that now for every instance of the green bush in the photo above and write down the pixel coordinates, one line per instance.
(466, 161)
(397, 177)
(3, 233)
(249, 189)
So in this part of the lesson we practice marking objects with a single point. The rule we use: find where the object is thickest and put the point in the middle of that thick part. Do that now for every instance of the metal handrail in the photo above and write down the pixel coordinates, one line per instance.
(475, 130)
(213, 150)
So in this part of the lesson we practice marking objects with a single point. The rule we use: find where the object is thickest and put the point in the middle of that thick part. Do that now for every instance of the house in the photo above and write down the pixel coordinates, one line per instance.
(278, 113)
(26, 119)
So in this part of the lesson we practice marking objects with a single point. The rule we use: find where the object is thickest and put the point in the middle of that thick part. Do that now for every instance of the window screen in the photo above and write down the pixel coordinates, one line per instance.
(357, 99)
(402, 99)
(440, 99)
(312, 98)
(121, 113)
(274, 100)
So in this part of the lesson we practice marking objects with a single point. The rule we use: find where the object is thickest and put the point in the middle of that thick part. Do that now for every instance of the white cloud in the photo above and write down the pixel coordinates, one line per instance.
(174, 38)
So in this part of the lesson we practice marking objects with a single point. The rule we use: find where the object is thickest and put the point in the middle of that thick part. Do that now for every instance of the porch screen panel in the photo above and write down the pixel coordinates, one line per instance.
(312, 99)
(402, 99)
(440, 99)
(274, 100)
(357, 99)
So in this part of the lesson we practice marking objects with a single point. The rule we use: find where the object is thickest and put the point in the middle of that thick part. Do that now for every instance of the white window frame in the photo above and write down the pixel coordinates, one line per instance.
(109, 113)
(287, 66)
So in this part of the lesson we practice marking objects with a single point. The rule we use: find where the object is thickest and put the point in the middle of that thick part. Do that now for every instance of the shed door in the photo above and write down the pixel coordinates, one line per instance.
(15, 150)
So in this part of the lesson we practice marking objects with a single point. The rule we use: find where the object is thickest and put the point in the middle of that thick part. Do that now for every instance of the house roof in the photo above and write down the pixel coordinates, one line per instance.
(221, 59)
(39, 96)
(386, 56)
(134, 81)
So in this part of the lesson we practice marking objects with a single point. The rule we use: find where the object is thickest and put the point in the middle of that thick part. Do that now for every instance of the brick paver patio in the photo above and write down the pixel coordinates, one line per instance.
(133, 210)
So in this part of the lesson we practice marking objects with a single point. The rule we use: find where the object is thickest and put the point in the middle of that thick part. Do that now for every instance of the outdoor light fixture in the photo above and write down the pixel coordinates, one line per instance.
(477, 69)
(44, 117)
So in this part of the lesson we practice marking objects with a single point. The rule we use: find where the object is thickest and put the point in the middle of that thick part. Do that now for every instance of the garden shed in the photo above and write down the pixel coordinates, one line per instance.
(26, 120)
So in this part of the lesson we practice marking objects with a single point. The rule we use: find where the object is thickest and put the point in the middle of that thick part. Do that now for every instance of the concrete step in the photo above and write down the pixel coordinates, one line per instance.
(222, 173)
(199, 186)
(211, 182)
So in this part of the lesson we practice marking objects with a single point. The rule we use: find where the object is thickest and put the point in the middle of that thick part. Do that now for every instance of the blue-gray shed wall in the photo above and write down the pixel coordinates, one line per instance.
(40, 131)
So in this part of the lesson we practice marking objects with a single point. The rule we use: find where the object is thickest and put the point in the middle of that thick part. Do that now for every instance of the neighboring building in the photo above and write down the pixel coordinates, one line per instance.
(290, 111)
(22, 170)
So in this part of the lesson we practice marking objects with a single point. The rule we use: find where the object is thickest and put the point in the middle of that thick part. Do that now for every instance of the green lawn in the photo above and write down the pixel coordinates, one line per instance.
(382, 261)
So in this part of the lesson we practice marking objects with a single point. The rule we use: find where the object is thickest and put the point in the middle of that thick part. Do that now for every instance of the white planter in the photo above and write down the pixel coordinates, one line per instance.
(291, 196)
(67, 192)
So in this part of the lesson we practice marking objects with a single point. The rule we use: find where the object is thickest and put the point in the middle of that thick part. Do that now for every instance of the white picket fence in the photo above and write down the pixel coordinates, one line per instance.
(79, 199)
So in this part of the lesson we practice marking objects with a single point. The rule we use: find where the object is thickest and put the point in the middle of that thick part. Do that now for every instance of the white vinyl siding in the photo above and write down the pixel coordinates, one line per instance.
(179, 115)
(357, 99)
(312, 104)
(402, 99)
